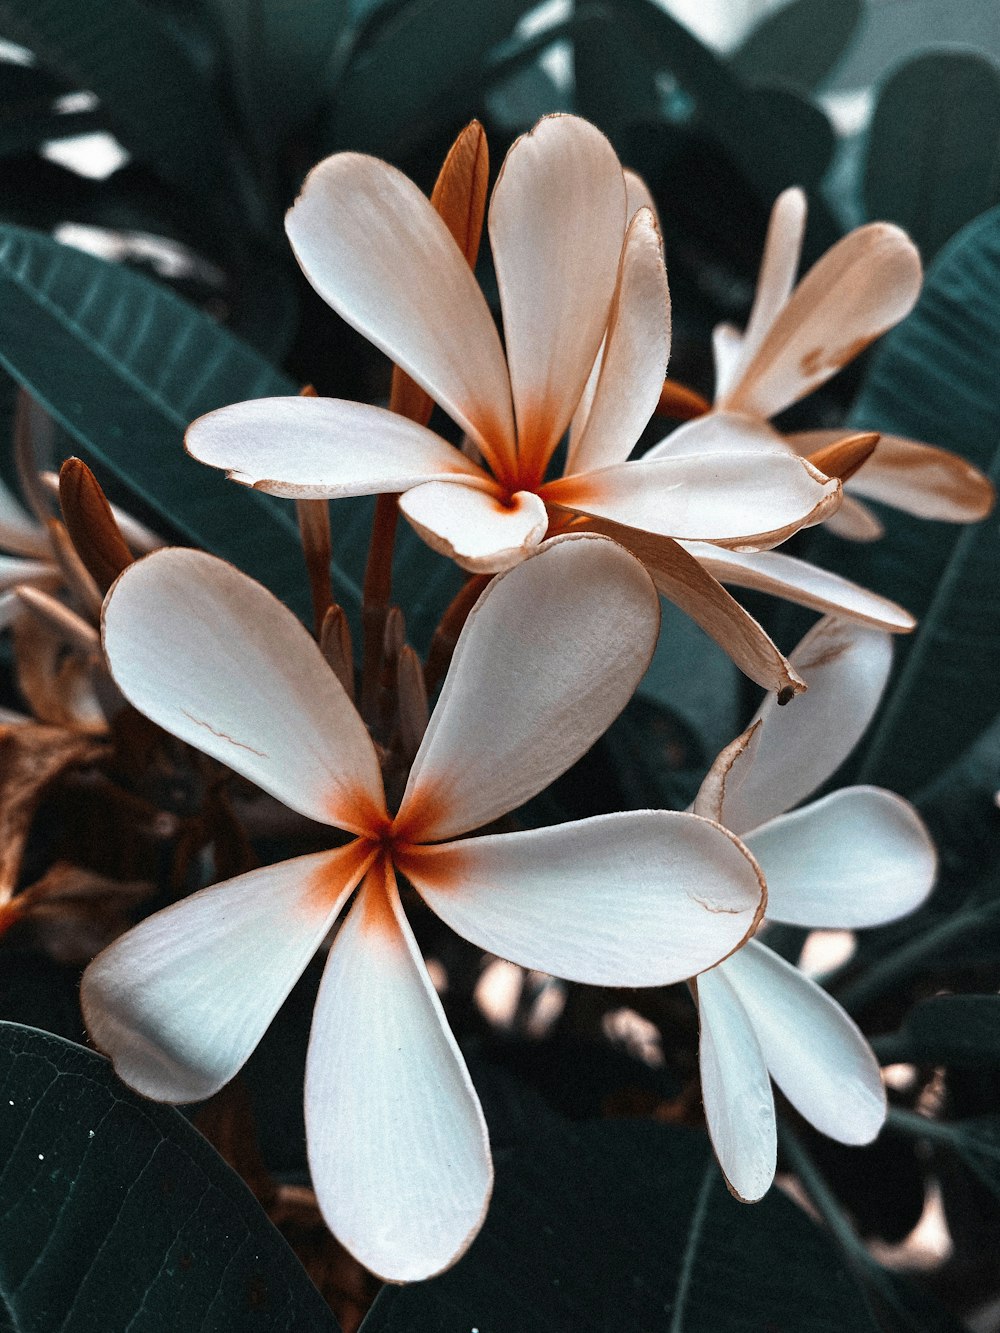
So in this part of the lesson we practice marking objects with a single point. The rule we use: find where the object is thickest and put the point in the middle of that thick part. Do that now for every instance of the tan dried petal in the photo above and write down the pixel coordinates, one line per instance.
(91, 524)
(681, 403)
(31, 758)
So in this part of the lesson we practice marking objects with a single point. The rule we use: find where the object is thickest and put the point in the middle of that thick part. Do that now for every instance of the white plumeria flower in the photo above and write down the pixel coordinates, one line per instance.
(576, 273)
(548, 657)
(857, 857)
(799, 336)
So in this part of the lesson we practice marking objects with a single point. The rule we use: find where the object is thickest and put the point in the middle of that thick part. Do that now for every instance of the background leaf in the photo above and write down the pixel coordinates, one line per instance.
(948, 1030)
(279, 57)
(422, 58)
(933, 161)
(117, 1214)
(799, 43)
(124, 366)
(934, 378)
(156, 97)
(628, 1225)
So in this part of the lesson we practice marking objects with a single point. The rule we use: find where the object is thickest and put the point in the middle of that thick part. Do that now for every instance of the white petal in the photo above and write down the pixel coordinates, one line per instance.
(316, 447)
(846, 667)
(549, 656)
(377, 251)
(180, 1001)
(798, 581)
(636, 352)
(729, 768)
(582, 414)
(816, 1054)
(858, 857)
(721, 432)
(683, 580)
(923, 480)
(216, 660)
(862, 286)
(480, 532)
(398, 1148)
(557, 224)
(735, 1089)
(637, 899)
(727, 343)
(855, 522)
(918, 478)
(741, 498)
(782, 251)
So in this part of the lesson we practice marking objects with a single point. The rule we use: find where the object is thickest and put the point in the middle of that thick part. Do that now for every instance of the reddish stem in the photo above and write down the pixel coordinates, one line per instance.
(375, 598)
(447, 632)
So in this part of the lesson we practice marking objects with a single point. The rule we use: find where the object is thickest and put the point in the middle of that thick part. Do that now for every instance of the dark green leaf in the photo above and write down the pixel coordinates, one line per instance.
(815, 135)
(800, 43)
(762, 143)
(961, 810)
(124, 366)
(628, 1225)
(976, 1141)
(279, 52)
(615, 82)
(29, 130)
(934, 146)
(154, 95)
(117, 1214)
(424, 59)
(934, 378)
(954, 1030)
(691, 676)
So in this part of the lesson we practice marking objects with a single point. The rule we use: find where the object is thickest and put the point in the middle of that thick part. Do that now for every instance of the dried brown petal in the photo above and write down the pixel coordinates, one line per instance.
(31, 758)
(842, 458)
(75, 912)
(91, 524)
(680, 403)
(56, 681)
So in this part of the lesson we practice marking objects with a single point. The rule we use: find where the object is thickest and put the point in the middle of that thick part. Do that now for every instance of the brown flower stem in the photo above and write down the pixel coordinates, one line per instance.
(447, 632)
(375, 598)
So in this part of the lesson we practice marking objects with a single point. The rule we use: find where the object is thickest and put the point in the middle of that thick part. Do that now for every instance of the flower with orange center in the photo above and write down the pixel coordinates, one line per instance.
(800, 335)
(548, 657)
(576, 275)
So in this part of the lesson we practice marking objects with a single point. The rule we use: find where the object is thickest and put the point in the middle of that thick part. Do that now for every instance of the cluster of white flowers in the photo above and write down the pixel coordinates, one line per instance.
(547, 657)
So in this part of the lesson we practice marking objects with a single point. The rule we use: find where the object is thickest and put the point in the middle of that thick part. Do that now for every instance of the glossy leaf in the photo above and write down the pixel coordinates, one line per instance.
(124, 366)
(975, 1140)
(117, 1214)
(692, 677)
(279, 57)
(628, 1225)
(765, 145)
(615, 82)
(798, 43)
(953, 1030)
(933, 160)
(155, 96)
(423, 59)
(934, 378)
